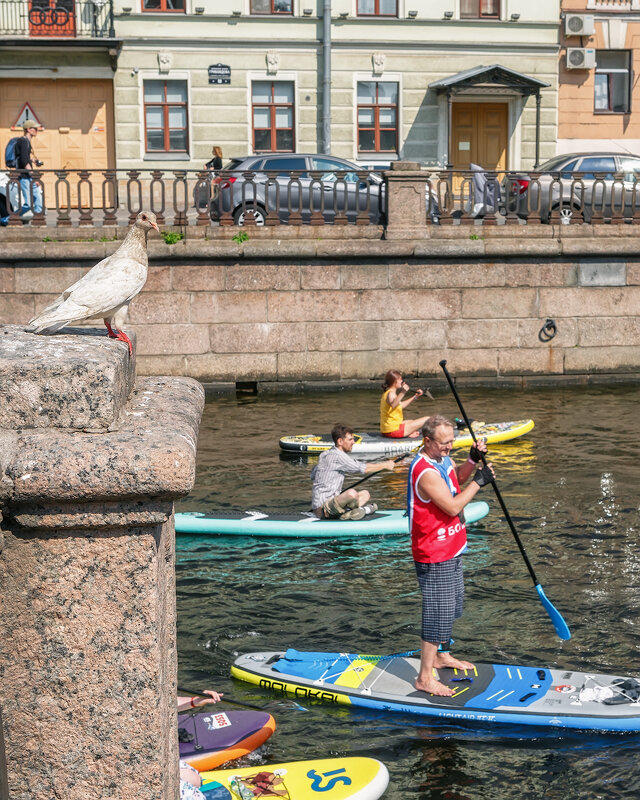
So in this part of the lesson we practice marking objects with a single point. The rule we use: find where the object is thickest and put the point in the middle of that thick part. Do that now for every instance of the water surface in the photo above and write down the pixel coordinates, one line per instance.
(572, 489)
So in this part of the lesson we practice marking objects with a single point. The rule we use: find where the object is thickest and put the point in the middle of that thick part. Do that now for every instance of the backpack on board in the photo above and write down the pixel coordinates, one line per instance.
(10, 153)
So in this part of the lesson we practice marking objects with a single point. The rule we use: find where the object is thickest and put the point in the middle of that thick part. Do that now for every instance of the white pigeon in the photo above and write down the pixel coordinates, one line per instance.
(106, 290)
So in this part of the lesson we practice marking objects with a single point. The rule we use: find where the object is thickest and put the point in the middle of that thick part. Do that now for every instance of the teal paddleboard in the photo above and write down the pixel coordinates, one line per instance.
(306, 525)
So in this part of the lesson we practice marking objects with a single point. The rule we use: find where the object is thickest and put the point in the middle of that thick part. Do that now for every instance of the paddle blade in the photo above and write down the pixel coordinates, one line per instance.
(562, 629)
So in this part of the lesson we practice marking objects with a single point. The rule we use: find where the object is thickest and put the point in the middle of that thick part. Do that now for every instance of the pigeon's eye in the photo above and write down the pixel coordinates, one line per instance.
(144, 216)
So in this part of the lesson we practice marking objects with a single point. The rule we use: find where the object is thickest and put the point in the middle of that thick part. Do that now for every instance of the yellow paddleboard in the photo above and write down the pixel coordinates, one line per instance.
(352, 778)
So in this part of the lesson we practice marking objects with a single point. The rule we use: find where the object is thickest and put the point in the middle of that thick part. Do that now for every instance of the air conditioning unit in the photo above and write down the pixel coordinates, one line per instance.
(581, 58)
(579, 25)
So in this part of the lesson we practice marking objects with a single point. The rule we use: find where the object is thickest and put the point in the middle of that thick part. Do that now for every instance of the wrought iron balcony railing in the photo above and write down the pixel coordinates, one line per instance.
(57, 19)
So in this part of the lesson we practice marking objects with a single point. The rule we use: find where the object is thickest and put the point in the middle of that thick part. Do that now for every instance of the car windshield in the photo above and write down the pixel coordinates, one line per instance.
(233, 163)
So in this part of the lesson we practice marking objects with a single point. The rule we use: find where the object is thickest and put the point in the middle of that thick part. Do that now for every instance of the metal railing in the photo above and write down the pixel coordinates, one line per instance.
(86, 19)
(188, 197)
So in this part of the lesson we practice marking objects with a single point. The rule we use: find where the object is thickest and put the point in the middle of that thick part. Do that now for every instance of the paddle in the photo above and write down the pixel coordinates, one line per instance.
(377, 472)
(559, 624)
(223, 699)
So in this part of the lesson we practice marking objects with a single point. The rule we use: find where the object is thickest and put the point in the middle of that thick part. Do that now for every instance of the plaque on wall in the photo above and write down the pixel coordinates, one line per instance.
(219, 73)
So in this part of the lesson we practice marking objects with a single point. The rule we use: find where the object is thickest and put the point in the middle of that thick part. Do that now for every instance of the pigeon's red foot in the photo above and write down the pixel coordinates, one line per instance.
(121, 335)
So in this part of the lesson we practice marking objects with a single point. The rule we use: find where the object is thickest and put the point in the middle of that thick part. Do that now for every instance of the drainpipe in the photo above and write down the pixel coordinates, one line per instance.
(537, 164)
(326, 77)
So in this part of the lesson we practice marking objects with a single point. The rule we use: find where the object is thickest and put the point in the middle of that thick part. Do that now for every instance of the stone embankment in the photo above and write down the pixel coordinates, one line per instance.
(91, 460)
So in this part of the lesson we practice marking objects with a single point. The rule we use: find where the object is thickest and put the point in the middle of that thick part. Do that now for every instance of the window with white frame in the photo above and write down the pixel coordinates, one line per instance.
(166, 116)
(612, 81)
(272, 111)
(377, 117)
(163, 5)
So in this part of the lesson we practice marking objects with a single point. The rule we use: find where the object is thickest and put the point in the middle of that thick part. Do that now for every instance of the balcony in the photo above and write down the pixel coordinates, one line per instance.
(57, 19)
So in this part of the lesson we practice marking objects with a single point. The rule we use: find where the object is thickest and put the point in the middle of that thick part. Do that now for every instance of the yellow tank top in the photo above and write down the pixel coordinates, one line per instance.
(390, 418)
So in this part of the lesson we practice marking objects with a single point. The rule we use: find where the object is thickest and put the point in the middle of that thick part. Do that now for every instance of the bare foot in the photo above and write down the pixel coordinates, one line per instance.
(432, 686)
(444, 660)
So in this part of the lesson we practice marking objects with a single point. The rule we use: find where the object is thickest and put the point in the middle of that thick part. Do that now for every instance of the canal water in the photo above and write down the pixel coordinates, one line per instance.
(573, 489)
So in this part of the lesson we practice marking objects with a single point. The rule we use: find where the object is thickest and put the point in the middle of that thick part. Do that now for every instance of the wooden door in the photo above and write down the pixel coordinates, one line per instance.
(78, 126)
(479, 135)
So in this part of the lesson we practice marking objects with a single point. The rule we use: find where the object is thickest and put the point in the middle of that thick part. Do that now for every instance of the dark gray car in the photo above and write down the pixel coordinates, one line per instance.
(591, 184)
(295, 186)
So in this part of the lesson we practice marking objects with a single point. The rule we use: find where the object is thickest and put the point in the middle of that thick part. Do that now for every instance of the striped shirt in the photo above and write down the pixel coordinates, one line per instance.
(328, 474)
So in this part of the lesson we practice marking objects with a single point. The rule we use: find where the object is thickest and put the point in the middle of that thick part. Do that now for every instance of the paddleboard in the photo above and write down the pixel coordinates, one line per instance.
(208, 739)
(488, 694)
(306, 525)
(330, 778)
(493, 432)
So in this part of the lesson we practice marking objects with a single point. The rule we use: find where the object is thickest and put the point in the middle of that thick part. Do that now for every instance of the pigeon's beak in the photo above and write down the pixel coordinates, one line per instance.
(155, 225)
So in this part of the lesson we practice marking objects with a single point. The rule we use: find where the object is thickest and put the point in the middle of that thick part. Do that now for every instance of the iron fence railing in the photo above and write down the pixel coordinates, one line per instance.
(85, 19)
(188, 197)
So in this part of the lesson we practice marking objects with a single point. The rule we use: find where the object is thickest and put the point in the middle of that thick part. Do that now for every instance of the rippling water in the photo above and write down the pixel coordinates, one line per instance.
(572, 489)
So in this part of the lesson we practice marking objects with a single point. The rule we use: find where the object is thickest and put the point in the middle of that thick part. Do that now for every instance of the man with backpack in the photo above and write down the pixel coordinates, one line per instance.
(18, 155)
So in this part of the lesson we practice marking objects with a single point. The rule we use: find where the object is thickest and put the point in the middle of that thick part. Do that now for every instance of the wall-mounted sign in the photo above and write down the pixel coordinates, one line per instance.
(219, 73)
(26, 113)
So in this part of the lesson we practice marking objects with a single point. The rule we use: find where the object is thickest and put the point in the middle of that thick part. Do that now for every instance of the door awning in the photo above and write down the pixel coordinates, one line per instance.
(495, 79)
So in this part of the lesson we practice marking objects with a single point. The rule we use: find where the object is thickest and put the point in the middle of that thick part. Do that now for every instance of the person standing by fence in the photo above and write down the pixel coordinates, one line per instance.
(30, 192)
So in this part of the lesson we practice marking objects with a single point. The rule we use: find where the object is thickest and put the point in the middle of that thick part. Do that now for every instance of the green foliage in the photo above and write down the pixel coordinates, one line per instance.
(240, 237)
(171, 237)
(107, 238)
(47, 239)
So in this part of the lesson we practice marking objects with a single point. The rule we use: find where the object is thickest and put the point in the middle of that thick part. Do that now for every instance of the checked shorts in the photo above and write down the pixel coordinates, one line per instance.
(442, 587)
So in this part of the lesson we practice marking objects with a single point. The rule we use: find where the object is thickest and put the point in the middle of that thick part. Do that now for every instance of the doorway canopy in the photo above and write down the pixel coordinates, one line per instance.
(493, 80)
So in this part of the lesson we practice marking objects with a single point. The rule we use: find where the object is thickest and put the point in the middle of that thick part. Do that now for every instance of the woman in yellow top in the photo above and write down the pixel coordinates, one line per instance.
(392, 404)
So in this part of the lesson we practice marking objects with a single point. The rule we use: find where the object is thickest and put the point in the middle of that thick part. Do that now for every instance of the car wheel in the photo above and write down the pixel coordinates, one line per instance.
(259, 215)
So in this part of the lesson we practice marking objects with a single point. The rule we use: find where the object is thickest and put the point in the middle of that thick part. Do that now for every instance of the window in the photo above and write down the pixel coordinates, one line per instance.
(165, 116)
(272, 114)
(631, 168)
(377, 117)
(377, 8)
(612, 82)
(272, 6)
(285, 165)
(600, 164)
(163, 5)
(479, 9)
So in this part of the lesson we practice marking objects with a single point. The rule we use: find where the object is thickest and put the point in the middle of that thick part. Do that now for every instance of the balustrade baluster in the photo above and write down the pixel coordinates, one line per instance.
(180, 198)
(63, 203)
(84, 183)
(134, 185)
(110, 197)
(157, 182)
(200, 190)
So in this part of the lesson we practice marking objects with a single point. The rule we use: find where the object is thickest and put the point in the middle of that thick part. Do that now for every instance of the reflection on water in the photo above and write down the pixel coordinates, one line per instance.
(572, 489)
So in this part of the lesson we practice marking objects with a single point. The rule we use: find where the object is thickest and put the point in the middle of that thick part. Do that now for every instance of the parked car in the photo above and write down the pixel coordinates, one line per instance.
(292, 183)
(587, 183)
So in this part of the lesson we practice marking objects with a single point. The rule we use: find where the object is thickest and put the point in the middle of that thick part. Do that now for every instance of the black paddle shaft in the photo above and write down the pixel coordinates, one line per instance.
(507, 516)
(371, 474)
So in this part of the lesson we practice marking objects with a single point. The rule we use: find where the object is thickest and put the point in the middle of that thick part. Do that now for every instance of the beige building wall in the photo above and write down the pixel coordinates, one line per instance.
(411, 52)
(617, 27)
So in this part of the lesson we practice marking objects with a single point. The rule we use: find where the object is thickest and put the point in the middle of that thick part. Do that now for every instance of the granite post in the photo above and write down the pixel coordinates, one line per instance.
(91, 460)
(406, 201)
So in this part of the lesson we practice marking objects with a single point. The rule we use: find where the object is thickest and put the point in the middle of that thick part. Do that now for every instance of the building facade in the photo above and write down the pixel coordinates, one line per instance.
(434, 81)
(598, 100)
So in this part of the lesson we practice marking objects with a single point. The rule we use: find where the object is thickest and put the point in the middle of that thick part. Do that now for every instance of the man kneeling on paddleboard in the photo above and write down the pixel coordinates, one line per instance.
(327, 498)
(438, 537)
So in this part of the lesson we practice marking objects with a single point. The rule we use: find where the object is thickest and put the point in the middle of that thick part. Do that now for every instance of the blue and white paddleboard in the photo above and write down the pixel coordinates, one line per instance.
(256, 523)
(488, 694)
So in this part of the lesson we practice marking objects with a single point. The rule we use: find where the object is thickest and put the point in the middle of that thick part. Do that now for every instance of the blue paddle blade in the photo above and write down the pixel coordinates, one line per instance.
(562, 629)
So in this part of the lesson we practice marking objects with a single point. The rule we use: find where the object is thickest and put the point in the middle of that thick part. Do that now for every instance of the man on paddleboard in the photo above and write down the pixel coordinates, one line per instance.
(438, 537)
(327, 498)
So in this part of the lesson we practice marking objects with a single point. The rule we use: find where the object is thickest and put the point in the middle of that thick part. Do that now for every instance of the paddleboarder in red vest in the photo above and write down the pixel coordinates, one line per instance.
(438, 537)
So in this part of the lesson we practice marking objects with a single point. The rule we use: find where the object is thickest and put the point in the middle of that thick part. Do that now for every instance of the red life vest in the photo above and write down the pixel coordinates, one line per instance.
(435, 536)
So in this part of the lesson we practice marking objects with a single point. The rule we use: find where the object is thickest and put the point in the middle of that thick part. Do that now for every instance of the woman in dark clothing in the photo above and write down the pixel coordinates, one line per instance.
(216, 162)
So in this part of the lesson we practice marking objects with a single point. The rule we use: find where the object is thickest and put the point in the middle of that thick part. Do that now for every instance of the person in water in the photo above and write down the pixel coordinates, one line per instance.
(392, 405)
(327, 498)
(438, 538)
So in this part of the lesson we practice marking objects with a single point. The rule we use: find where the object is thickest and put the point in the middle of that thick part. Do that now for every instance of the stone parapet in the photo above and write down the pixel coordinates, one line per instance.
(88, 661)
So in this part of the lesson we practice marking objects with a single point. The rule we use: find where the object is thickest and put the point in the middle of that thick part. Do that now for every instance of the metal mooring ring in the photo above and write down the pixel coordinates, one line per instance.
(548, 331)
